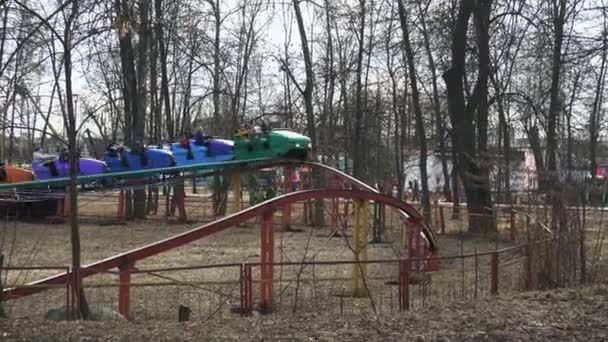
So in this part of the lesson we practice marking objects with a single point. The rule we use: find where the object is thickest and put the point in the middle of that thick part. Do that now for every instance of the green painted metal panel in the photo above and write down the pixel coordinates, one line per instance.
(276, 143)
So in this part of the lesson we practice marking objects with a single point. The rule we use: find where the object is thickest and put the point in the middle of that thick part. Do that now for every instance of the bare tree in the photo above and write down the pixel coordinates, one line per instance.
(471, 142)
(426, 200)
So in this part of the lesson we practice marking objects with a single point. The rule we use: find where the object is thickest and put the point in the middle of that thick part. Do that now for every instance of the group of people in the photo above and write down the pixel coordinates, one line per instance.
(48, 159)
(411, 192)
(118, 151)
(248, 128)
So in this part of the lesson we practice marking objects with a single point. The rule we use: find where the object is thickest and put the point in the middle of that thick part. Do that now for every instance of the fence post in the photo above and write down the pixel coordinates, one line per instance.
(124, 289)
(245, 280)
(494, 274)
(528, 266)
(68, 290)
(249, 289)
(404, 285)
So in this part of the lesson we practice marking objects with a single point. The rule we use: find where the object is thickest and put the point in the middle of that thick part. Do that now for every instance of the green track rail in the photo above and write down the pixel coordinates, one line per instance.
(112, 177)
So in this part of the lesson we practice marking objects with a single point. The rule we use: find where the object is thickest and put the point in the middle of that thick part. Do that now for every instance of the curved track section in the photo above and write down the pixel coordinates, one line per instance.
(407, 212)
(130, 257)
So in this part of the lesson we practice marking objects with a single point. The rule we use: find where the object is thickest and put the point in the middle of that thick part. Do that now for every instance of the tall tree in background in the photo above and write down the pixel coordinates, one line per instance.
(134, 82)
(426, 199)
(595, 118)
(73, 153)
(469, 114)
(358, 158)
(439, 122)
(307, 93)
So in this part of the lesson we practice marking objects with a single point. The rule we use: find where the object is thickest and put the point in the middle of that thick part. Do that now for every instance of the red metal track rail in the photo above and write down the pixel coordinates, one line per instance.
(130, 257)
(407, 213)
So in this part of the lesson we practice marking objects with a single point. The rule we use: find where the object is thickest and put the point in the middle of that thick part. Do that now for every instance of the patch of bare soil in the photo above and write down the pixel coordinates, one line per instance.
(564, 315)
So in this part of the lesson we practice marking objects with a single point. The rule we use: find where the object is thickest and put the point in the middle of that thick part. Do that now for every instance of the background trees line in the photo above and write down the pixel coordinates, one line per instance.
(374, 81)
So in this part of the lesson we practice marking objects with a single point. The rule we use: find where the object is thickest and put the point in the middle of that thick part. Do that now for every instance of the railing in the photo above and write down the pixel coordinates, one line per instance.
(210, 291)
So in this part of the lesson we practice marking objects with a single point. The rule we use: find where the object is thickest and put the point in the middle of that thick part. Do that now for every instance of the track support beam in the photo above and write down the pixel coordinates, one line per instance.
(267, 262)
(124, 290)
(360, 237)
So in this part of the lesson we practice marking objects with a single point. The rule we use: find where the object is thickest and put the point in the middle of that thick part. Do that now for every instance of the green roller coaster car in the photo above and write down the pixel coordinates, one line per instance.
(272, 144)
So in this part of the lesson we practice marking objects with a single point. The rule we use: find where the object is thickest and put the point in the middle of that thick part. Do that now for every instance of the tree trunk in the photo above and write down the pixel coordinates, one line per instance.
(455, 186)
(436, 108)
(426, 199)
(2, 313)
(569, 127)
(596, 116)
(358, 165)
(470, 143)
(504, 132)
(155, 105)
(216, 66)
(70, 121)
(164, 83)
(308, 98)
(139, 115)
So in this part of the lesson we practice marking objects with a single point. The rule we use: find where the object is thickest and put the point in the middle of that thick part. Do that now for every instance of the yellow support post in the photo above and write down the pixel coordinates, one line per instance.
(236, 184)
(360, 237)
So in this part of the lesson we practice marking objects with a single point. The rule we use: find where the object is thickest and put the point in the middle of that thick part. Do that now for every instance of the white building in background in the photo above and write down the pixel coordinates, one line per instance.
(522, 175)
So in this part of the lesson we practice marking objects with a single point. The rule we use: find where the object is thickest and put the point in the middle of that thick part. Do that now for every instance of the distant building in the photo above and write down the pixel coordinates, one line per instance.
(522, 170)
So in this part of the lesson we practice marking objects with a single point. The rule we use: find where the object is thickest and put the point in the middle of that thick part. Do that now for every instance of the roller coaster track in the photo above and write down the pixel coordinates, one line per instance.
(138, 174)
(117, 180)
(130, 257)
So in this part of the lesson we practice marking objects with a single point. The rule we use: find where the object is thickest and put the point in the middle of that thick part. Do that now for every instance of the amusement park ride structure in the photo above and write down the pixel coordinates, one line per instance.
(421, 245)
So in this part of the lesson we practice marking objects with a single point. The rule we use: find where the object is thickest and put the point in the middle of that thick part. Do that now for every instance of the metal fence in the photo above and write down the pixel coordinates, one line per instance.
(211, 291)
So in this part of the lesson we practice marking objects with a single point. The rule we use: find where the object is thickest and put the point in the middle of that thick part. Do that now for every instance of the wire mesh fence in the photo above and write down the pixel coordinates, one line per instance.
(338, 287)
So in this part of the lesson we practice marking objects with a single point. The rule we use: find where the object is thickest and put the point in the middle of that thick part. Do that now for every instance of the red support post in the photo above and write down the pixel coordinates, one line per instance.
(404, 285)
(59, 211)
(414, 244)
(494, 273)
(267, 262)
(124, 290)
(433, 263)
(287, 188)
